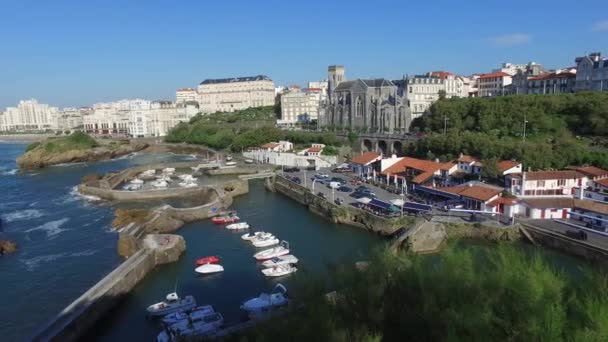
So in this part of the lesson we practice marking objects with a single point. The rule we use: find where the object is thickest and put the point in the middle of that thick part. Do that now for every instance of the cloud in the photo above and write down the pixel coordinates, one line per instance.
(511, 39)
(600, 26)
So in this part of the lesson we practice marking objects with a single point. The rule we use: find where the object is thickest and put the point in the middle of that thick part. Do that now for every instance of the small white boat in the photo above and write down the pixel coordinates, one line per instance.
(187, 184)
(198, 311)
(281, 260)
(171, 304)
(228, 158)
(137, 181)
(267, 242)
(159, 183)
(186, 177)
(255, 235)
(148, 173)
(209, 269)
(169, 170)
(278, 271)
(200, 326)
(270, 253)
(267, 301)
(238, 226)
(230, 163)
(248, 161)
(261, 237)
(132, 187)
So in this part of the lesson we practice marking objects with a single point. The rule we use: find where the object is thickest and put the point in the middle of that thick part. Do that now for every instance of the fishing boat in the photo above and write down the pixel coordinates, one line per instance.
(248, 161)
(255, 235)
(136, 181)
(266, 302)
(197, 312)
(238, 226)
(266, 242)
(171, 304)
(209, 269)
(280, 260)
(187, 329)
(282, 249)
(279, 271)
(230, 218)
(207, 260)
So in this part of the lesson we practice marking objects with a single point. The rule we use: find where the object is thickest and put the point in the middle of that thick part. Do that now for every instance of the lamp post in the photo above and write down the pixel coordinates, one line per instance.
(304, 177)
(313, 185)
(525, 122)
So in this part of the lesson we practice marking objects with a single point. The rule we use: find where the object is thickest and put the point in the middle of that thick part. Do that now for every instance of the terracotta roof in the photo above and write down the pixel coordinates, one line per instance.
(551, 75)
(467, 159)
(446, 165)
(502, 200)
(441, 74)
(596, 207)
(494, 74)
(549, 202)
(270, 145)
(413, 163)
(591, 171)
(365, 158)
(315, 149)
(477, 192)
(421, 178)
(504, 165)
(544, 175)
(602, 182)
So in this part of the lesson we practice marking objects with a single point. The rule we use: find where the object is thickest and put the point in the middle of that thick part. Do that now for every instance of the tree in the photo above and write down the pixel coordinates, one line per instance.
(352, 137)
(442, 94)
(490, 169)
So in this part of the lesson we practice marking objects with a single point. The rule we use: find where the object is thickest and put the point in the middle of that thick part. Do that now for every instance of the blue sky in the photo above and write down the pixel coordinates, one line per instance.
(74, 53)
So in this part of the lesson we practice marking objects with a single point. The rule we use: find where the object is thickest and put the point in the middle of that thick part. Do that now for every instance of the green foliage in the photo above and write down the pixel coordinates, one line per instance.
(329, 151)
(76, 141)
(498, 294)
(250, 114)
(32, 146)
(352, 137)
(490, 169)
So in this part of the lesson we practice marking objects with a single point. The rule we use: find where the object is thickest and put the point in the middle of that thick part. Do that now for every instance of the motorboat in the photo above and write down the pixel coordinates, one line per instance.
(282, 249)
(278, 271)
(209, 269)
(281, 260)
(230, 218)
(207, 260)
(230, 163)
(136, 181)
(200, 326)
(228, 158)
(132, 187)
(148, 173)
(159, 183)
(267, 301)
(255, 235)
(169, 170)
(238, 226)
(165, 178)
(267, 242)
(171, 304)
(248, 161)
(186, 177)
(198, 311)
(261, 237)
(187, 184)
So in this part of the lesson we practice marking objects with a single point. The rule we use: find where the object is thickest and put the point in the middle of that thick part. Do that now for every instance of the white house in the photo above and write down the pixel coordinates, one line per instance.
(545, 183)
(593, 214)
(546, 207)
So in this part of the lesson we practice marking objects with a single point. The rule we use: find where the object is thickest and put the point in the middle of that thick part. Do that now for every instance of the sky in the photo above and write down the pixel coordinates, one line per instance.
(75, 53)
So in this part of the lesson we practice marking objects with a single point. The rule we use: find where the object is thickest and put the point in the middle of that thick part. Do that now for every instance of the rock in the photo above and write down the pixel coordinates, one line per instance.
(127, 245)
(123, 217)
(162, 223)
(7, 247)
(427, 238)
(167, 247)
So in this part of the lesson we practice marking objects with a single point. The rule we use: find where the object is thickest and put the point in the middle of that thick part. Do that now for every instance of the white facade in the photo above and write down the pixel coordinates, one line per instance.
(423, 90)
(71, 118)
(300, 106)
(186, 95)
(513, 69)
(591, 73)
(230, 94)
(290, 159)
(29, 115)
(545, 183)
(493, 84)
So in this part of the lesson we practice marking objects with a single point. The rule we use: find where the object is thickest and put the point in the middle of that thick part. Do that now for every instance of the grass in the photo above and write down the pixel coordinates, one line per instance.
(75, 141)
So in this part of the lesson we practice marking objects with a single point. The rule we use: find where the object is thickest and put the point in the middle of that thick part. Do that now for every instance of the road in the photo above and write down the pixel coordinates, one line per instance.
(595, 239)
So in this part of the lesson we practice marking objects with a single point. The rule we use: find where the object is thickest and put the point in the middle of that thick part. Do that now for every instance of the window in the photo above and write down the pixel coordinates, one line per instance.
(540, 184)
(561, 182)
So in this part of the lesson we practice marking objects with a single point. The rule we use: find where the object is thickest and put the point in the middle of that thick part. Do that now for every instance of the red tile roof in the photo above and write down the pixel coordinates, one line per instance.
(315, 149)
(494, 74)
(270, 145)
(602, 182)
(441, 74)
(426, 167)
(551, 75)
(467, 159)
(365, 158)
(504, 165)
(502, 200)
(591, 171)
(476, 192)
(549, 202)
(545, 175)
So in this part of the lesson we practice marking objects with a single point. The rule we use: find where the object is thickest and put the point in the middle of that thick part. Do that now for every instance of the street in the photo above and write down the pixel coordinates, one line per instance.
(594, 238)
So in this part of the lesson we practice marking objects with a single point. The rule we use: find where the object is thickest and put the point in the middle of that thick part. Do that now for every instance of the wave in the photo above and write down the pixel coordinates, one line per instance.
(23, 215)
(73, 196)
(33, 263)
(10, 172)
(52, 228)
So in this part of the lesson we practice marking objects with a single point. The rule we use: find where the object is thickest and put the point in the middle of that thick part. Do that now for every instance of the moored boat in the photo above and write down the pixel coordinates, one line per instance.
(266, 302)
(255, 235)
(171, 304)
(238, 226)
(278, 271)
(231, 218)
(187, 329)
(137, 181)
(270, 253)
(280, 260)
(198, 311)
(209, 269)
(207, 260)
(266, 242)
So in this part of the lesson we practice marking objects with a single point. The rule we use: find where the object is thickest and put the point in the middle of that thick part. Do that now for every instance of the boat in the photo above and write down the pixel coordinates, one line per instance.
(159, 183)
(248, 161)
(230, 163)
(187, 184)
(261, 237)
(270, 253)
(137, 181)
(267, 242)
(279, 271)
(207, 260)
(209, 269)
(228, 158)
(148, 173)
(132, 187)
(198, 311)
(238, 226)
(168, 170)
(281, 260)
(200, 326)
(255, 235)
(267, 301)
(171, 304)
(230, 218)
(186, 177)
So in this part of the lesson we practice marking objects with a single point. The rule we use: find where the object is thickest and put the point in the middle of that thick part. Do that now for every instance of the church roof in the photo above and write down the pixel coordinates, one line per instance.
(368, 83)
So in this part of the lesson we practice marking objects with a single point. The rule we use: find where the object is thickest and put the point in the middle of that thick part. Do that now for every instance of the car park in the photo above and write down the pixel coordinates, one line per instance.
(322, 175)
(339, 180)
(345, 188)
(291, 169)
(333, 185)
(296, 180)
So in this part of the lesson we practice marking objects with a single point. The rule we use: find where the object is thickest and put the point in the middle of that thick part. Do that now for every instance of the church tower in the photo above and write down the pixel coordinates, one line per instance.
(335, 76)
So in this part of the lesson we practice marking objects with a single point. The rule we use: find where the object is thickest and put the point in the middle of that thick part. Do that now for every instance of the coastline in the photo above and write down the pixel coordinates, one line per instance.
(23, 138)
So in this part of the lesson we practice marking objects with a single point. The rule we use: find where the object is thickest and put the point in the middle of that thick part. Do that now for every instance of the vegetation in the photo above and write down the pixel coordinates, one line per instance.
(329, 151)
(267, 113)
(468, 294)
(75, 141)
(494, 128)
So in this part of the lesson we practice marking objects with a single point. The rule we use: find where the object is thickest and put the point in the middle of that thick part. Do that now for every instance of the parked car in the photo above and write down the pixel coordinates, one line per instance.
(296, 180)
(322, 175)
(345, 188)
(333, 185)
(361, 195)
(291, 169)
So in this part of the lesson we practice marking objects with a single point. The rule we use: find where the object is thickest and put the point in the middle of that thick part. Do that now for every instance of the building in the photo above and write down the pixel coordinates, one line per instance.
(423, 90)
(363, 165)
(314, 150)
(593, 214)
(513, 69)
(281, 146)
(475, 197)
(596, 188)
(372, 105)
(186, 95)
(29, 115)
(546, 207)
(300, 106)
(519, 83)
(406, 171)
(591, 73)
(230, 94)
(558, 82)
(493, 84)
(470, 165)
(71, 118)
(545, 183)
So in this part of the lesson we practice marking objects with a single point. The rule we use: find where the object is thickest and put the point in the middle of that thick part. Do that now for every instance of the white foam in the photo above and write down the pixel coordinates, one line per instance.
(52, 228)
(10, 172)
(22, 215)
(33, 263)
(74, 195)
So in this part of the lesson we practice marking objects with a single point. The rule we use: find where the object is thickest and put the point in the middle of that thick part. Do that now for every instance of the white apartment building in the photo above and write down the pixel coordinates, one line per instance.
(300, 106)
(322, 85)
(513, 69)
(591, 73)
(493, 84)
(29, 115)
(230, 94)
(186, 95)
(423, 90)
(71, 118)
(545, 183)
(166, 115)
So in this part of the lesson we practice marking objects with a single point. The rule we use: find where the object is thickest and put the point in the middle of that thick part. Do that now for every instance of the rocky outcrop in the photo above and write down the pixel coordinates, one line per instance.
(39, 157)
(7, 247)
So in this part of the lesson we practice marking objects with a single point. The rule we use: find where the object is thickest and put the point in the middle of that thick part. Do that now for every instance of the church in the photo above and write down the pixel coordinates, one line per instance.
(365, 105)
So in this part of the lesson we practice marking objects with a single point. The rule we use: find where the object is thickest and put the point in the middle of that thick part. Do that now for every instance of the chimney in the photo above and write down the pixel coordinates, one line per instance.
(394, 156)
(461, 154)
(436, 160)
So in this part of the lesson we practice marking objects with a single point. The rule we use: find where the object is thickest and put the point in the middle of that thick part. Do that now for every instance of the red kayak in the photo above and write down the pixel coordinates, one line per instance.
(224, 219)
(207, 260)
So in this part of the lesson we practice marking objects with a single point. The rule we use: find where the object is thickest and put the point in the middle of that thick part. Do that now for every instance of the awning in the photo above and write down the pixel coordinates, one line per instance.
(436, 192)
